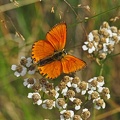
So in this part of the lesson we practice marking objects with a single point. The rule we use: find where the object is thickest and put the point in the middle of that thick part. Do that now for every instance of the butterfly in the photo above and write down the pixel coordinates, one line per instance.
(50, 55)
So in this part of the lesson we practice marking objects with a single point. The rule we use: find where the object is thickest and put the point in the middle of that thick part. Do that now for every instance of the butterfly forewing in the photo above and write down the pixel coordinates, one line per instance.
(57, 36)
(41, 49)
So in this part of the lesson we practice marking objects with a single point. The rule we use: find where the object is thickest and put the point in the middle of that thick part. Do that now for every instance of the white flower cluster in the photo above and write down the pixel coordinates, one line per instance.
(66, 88)
(66, 96)
(97, 92)
(26, 65)
(101, 42)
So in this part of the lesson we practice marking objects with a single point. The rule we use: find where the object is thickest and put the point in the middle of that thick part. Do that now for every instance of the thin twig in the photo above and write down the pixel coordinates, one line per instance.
(85, 20)
(11, 6)
(109, 113)
(75, 15)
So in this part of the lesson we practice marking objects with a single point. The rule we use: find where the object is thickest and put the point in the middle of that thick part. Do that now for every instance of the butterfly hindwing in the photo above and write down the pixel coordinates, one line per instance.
(51, 70)
(71, 64)
(57, 36)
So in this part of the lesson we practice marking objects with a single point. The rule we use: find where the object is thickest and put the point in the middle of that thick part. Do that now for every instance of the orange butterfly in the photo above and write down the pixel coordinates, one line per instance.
(50, 55)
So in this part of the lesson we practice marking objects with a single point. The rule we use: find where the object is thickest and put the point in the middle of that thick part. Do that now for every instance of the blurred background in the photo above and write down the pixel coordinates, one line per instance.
(22, 22)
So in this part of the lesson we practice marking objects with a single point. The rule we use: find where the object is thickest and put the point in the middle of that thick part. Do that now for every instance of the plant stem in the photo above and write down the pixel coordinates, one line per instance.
(94, 114)
(101, 70)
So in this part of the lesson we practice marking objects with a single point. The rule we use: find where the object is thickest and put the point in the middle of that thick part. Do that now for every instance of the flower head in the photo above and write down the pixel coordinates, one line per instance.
(48, 104)
(66, 115)
(31, 69)
(77, 117)
(36, 98)
(93, 95)
(26, 61)
(53, 93)
(105, 92)
(29, 82)
(99, 103)
(75, 82)
(60, 103)
(96, 82)
(85, 114)
(19, 70)
(77, 103)
(82, 87)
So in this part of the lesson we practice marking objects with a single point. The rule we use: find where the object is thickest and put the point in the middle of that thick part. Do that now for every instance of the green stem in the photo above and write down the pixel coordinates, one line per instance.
(94, 114)
(101, 70)
(110, 56)
(102, 64)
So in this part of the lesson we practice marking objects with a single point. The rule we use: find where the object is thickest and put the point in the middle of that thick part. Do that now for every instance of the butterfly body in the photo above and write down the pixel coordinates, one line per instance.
(50, 55)
(58, 55)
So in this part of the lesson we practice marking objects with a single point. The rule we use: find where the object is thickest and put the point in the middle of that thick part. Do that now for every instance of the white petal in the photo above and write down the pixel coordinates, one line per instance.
(57, 88)
(64, 91)
(74, 85)
(90, 80)
(44, 106)
(62, 117)
(54, 104)
(28, 64)
(110, 32)
(101, 83)
(85, 109)
(108, 96)
(89, 97)
(86, 42)
(39, 102)
(50, 108)
(30, 95)
(13, 67)
(97, 107)
(29, 85)
(84, 47)
(90, 91)
(103, 106)
(44, 101)
(69, 84)
(93, 88)
(105, 47)
(23, 71)
(90, 50)
(17, 74)
(77, 107)
(23, 57)
(31, 72)
(100, 89)
(62, 111)
(71, 99)
(25, 83)
(29, 59)
(78, 90)
(64, 106)
(90, 37)
(57, 95)
(83, 92)
(114, 34)
(72, 113)
(119, 37)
